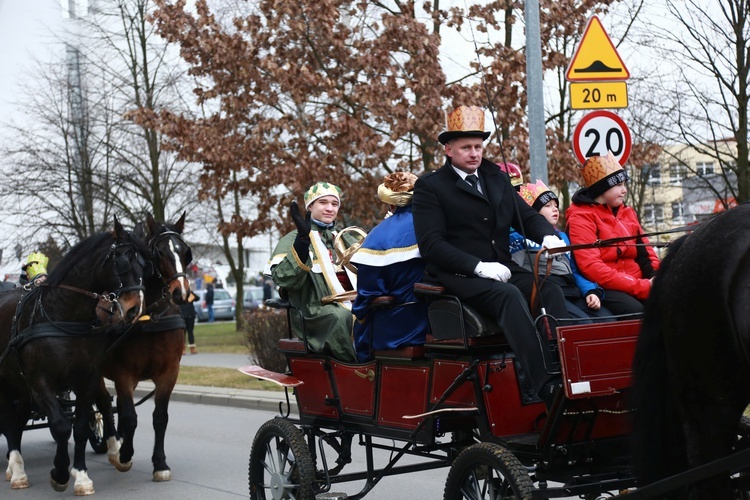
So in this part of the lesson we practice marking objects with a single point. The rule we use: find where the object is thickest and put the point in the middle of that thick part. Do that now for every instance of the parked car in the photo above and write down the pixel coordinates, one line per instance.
(223, 305)
(254, 297)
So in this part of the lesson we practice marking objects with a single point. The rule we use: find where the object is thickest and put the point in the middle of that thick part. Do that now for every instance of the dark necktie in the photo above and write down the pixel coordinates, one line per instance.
(474, 181)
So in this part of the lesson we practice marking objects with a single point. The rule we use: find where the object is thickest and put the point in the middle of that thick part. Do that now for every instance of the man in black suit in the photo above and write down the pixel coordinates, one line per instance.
(463, 233)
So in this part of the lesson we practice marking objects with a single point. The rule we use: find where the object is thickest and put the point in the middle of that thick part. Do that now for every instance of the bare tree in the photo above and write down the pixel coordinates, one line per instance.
(60, 161)
(701, 90)
(77, 159)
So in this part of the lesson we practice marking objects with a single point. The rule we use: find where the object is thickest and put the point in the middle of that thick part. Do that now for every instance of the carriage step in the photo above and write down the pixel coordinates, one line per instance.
(277, 378)
(331, 496)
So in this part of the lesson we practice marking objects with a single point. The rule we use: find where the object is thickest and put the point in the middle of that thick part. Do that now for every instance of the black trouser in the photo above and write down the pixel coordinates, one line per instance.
(189, 325)
(621, 303)
(509, 303)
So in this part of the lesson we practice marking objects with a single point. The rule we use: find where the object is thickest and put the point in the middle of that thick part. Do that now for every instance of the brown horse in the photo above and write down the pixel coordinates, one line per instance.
(152, 350)
(52, 340)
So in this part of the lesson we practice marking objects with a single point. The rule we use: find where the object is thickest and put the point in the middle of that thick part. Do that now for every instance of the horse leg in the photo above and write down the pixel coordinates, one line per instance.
(127, 422)
(14, 417)
(164, 386)
(104, 404)
(83, 484)
(710, 429)
(60, 428)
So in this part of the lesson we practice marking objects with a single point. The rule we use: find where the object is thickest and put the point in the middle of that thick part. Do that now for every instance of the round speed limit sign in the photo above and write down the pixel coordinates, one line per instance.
(601, 131)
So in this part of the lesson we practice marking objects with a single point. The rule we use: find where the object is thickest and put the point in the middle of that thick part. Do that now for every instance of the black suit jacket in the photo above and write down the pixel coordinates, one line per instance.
(457, 227)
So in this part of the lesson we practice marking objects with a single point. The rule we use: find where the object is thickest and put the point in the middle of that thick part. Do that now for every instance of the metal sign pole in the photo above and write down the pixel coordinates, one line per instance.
(535, 91)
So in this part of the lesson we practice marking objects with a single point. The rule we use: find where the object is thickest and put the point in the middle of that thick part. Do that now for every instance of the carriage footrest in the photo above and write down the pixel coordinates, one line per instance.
(470, 409)
(277, 378)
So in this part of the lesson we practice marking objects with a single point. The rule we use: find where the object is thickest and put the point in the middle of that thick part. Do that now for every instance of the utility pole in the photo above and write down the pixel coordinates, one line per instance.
(535, 93)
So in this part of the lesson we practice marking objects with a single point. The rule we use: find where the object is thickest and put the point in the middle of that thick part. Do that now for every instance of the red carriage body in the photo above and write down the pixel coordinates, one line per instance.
(460, 391)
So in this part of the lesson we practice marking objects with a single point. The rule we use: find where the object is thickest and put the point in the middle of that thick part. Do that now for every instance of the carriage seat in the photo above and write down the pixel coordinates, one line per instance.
(446, 313)
(293, 345)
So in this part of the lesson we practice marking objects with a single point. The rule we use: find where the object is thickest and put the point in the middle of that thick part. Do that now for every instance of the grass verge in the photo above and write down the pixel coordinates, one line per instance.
(222, 377)
(221, 337)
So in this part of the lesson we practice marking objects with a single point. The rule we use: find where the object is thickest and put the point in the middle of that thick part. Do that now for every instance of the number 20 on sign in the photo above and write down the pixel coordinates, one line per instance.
(599, 132)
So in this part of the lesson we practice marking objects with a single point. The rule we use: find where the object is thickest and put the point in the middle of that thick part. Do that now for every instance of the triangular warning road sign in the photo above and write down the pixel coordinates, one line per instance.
(596, 57)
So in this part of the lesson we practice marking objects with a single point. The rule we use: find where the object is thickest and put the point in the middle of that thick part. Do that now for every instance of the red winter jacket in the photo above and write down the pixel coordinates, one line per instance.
(622, 266)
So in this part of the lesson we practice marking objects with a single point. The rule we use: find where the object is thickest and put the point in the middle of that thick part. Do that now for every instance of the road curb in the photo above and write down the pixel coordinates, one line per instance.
(219, 396)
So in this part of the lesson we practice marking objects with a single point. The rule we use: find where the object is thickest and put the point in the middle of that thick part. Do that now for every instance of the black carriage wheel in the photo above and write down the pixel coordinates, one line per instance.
(96, 431)
(487, 471)
(280, 463)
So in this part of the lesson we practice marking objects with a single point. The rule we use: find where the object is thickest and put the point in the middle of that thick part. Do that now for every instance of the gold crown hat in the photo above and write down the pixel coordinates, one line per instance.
(464, 121)
(537, 195)
(320, 189)
(601, 173)
(397, 188)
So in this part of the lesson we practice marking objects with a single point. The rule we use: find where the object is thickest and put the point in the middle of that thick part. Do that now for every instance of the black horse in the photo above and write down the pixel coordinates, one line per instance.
(691, 369)
(152, 350)
(53, 337)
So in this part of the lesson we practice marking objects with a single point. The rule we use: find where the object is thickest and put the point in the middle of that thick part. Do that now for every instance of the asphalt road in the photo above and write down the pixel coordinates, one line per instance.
(208, 449)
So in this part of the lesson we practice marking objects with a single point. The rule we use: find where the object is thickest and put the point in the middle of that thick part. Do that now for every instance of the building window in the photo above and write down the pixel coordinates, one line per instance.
(654, 174)
(703, 168)
(677, 173)
(653, 214)
(677, 212)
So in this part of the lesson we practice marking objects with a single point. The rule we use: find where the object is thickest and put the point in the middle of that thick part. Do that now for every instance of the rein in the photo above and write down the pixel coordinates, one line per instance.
(596, 244)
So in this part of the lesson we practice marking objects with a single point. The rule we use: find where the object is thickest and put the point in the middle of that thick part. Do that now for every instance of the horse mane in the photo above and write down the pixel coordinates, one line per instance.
(88, 247)
(658, 443)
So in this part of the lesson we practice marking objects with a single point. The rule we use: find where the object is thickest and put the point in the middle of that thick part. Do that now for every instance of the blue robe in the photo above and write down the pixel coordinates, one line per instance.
(389, 263)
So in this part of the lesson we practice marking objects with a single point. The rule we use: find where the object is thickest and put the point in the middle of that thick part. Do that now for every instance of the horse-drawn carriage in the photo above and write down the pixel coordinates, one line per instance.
(455, 402)
(458, 402)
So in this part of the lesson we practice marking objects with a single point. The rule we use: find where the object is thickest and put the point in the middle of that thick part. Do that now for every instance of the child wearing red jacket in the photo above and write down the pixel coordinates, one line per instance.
(625, 269)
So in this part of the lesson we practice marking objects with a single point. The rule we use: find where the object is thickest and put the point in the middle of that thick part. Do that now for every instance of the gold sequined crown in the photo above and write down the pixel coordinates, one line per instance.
(464, 121)
(536, 195)
(597, 168)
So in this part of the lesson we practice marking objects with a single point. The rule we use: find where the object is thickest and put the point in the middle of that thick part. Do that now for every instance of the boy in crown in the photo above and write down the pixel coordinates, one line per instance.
(625, 269)
(582, 296)
(302, 264)
(463, 213)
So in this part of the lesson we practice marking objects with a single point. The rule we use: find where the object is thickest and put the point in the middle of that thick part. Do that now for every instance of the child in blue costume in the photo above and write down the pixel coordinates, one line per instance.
(389, 263)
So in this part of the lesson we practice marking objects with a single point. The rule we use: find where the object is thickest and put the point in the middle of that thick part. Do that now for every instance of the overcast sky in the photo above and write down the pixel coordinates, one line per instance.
(25, 27)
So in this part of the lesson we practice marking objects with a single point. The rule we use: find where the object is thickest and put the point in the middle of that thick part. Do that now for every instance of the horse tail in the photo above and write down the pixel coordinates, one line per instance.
(658, 443)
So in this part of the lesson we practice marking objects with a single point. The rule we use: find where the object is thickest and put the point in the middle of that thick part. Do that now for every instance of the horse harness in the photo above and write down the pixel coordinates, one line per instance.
(50, 328)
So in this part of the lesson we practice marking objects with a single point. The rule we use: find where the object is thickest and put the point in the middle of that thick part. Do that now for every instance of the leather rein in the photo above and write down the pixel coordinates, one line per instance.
(596, 244)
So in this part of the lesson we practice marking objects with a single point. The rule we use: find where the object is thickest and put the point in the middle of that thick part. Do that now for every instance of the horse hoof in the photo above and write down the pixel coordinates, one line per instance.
(83, 490)
(122, 467)
(20, 483)
(162, 475)
(57, 486)
(83, 485)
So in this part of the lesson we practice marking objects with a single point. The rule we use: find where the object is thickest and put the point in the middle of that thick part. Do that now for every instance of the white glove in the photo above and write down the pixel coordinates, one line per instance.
(492, 271)
(551, 242)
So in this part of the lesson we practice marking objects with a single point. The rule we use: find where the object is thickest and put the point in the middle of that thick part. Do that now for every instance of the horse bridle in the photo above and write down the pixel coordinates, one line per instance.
(156, 255)
(121, 267)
